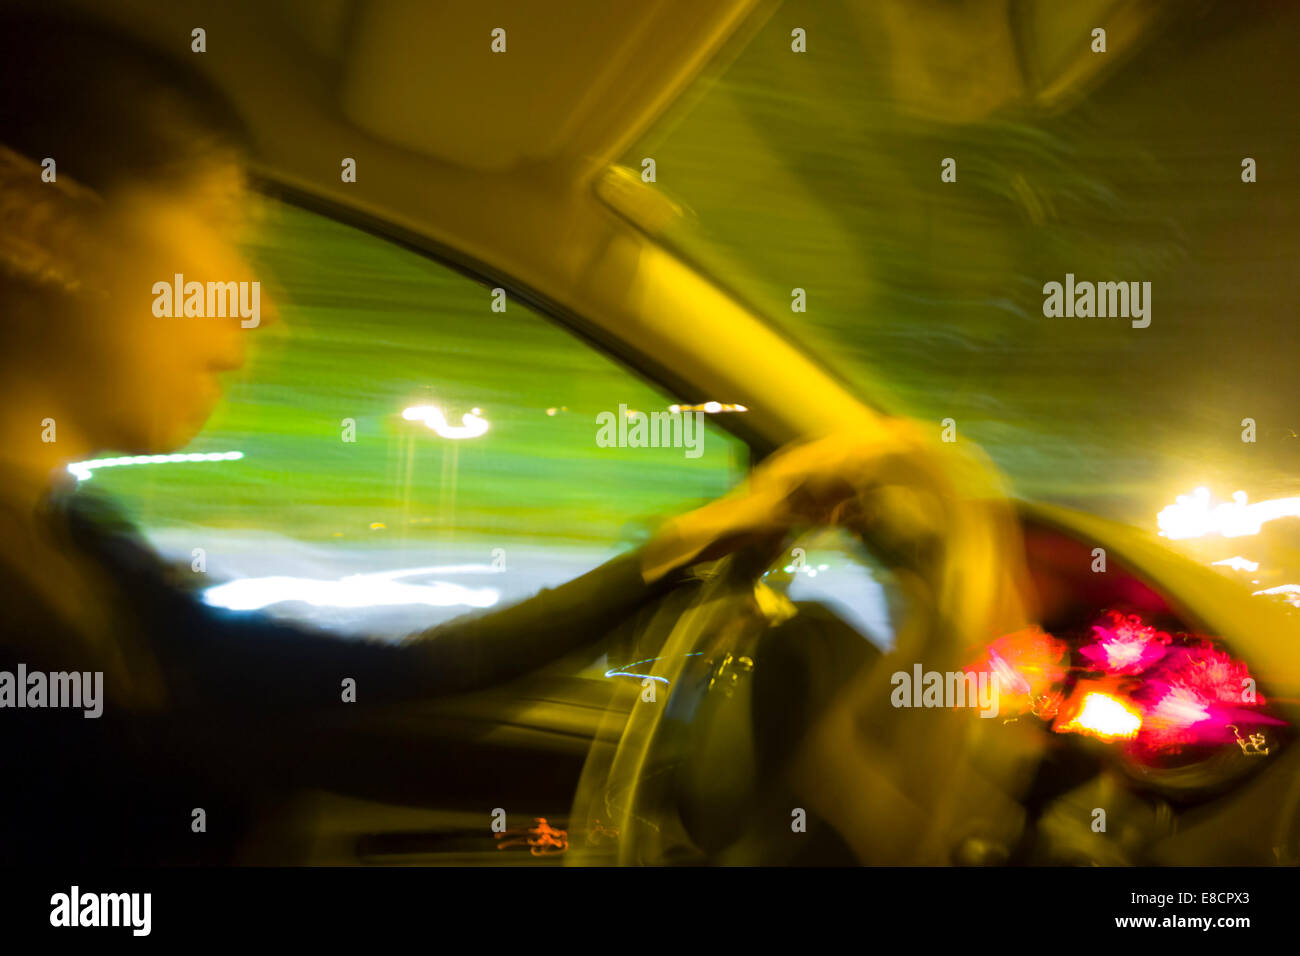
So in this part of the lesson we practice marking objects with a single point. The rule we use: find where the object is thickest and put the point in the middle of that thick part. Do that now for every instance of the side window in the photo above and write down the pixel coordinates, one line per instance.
(399, 451)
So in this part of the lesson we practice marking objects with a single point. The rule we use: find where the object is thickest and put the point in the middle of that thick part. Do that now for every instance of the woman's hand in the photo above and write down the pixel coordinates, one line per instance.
(881, 482)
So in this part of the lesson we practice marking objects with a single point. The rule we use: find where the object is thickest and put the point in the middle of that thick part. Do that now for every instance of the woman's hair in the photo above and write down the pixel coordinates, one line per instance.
(110, 113)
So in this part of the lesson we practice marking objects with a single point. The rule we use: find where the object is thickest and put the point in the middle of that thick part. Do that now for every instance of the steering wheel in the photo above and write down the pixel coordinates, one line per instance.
(673, 788)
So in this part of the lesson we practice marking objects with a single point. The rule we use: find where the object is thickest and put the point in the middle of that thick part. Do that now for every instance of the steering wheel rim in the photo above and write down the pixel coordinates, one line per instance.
(629, 789)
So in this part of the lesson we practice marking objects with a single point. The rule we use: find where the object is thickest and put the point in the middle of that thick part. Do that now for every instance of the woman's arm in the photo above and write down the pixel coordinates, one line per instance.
(223, 660)
(258, 661)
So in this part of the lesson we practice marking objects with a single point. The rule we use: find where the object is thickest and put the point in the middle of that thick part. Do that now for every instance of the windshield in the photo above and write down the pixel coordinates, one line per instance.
(921, 183)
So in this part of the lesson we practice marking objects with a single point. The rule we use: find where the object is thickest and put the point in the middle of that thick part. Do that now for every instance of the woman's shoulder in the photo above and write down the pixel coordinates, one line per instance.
(98, 526)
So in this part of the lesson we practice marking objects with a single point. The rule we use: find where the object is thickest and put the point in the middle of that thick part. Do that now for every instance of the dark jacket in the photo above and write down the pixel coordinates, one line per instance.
(120, 788)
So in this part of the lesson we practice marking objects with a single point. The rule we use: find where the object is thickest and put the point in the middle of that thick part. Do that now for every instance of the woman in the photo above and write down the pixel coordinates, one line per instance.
(200, 708)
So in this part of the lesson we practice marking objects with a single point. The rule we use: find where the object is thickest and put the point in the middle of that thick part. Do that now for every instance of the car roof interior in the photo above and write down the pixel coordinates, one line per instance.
(500, 165)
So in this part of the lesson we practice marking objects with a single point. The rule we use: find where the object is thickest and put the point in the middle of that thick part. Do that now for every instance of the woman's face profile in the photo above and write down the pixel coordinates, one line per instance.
(149, 375)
